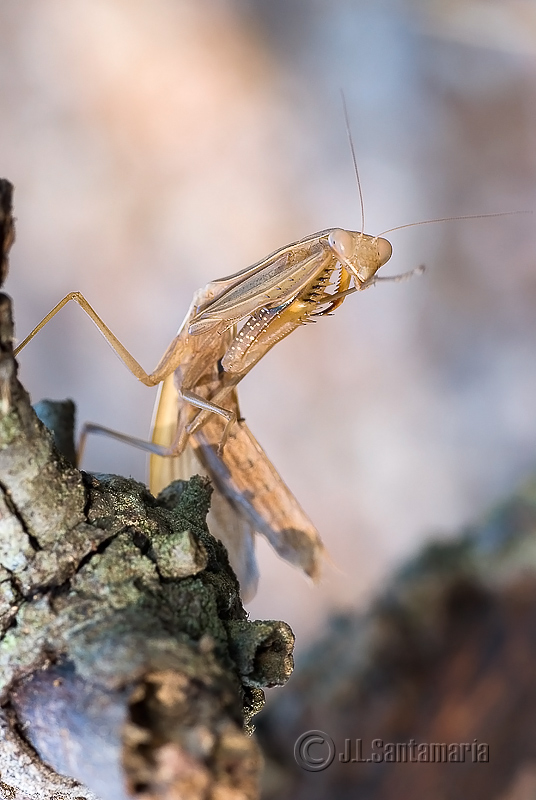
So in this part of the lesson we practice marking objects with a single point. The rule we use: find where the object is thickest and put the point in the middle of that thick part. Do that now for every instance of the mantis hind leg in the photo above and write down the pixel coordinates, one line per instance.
(180, 438)
(168, 363)
(133, 441)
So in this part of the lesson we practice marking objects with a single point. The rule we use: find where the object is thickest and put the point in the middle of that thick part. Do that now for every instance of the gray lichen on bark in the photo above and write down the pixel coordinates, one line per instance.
(127, 661)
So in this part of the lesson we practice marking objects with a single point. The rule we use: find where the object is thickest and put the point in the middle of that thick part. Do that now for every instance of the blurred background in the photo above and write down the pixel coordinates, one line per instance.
(158, 144)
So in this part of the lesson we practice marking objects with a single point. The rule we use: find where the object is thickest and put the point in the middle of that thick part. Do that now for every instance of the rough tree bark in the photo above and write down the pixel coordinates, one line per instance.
(128, 667)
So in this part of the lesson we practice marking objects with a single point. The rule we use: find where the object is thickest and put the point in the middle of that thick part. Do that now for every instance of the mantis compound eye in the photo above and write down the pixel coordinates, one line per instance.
(385, 250)
(342, 244)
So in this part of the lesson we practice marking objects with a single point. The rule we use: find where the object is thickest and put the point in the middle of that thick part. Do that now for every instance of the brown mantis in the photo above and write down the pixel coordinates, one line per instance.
(231, 324)
(197, 423)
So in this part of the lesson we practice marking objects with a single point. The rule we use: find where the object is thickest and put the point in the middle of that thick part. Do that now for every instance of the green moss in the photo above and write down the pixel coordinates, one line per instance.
(10, 429)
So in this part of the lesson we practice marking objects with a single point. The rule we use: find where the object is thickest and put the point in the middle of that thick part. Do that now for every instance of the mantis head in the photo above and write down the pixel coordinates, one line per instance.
(362, 255)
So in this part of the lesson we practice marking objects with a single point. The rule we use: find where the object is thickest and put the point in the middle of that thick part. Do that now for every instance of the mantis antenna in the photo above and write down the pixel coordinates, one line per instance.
(451, 219)
(354, 160)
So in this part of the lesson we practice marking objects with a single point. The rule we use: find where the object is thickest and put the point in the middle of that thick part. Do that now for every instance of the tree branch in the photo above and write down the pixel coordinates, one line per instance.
(127, 662)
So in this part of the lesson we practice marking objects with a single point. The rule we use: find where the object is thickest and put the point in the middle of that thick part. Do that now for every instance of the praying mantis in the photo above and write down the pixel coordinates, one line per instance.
(197, 425)
(231, 324)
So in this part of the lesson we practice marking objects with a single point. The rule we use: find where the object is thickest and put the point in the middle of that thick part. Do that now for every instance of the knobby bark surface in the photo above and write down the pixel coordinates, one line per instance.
(128, 667)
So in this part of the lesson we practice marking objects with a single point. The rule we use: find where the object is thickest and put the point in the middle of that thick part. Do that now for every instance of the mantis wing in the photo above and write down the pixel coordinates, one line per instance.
(249, 494)
(271, 282)
(248, 479)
